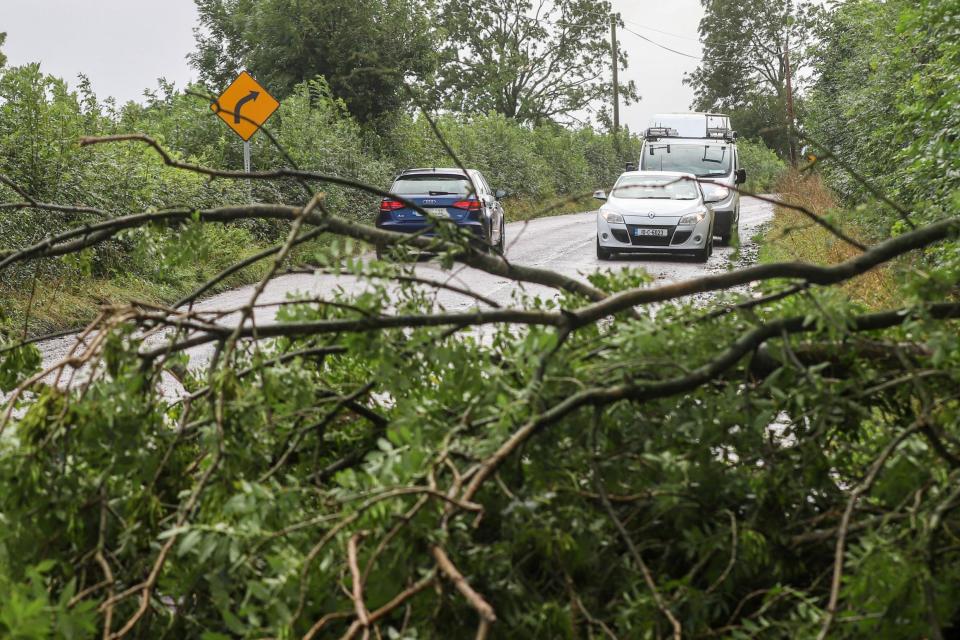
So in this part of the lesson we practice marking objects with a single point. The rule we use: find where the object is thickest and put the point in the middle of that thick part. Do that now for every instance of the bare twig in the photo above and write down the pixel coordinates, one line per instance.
(483, 609)
(363, 616)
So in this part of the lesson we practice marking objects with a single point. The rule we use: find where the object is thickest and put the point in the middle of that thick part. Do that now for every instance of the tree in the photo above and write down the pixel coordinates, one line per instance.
(3, 58)
(365, 49)
(533, 61)
(743, 71)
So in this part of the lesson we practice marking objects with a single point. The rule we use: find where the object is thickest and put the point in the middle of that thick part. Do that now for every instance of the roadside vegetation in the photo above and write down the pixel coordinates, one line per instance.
(792, 236)
(547, 169)
(620, 460)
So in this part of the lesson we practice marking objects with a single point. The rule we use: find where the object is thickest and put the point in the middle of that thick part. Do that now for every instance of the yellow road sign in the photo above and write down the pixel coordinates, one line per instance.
(245, 105)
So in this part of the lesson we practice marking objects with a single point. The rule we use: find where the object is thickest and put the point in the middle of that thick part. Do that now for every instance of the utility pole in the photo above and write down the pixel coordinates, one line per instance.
(791, 119)
(615, 52)
(246, 168)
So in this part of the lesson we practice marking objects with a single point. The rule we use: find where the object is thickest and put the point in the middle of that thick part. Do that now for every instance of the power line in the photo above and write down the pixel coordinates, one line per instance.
(631, 31)
(662, 46)
(637, 25)
(643, 26)
(679, 53)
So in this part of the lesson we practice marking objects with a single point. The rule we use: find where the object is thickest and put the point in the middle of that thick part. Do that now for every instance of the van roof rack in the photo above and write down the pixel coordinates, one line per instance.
(721, 129)
(721, 133)
(700, 125)
(654, 133)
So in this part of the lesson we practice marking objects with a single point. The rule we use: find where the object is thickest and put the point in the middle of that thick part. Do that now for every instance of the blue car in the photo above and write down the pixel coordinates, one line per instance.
(464, 197)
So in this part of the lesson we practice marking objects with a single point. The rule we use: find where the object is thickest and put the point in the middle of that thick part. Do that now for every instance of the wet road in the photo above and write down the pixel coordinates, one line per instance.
(562, 243)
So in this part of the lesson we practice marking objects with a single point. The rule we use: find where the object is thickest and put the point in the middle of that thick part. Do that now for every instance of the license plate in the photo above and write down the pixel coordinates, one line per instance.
(640, 231)
(438, 213)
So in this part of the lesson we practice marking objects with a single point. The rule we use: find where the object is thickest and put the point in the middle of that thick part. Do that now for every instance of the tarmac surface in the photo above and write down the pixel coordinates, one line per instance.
(564, 244)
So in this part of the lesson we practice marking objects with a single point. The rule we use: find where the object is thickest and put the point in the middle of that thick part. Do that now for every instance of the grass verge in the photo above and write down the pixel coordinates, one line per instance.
(793, 237)
(63, 296)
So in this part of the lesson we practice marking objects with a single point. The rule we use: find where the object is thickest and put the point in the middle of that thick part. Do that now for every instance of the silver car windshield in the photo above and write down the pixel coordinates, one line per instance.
(702, 160)
(655, 188)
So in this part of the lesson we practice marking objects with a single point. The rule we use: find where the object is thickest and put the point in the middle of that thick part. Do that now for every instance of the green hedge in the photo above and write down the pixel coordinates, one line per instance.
(764, 167)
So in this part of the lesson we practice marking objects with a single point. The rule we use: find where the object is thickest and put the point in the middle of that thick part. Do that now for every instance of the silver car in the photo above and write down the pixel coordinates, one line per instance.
(655, 212)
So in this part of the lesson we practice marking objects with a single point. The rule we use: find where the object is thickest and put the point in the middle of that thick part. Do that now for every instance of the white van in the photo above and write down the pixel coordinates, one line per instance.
(702, 144)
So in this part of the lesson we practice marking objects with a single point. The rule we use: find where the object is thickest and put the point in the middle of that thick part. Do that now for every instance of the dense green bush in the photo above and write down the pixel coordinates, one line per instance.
(41, 122)
(764, 167)
(887, 103)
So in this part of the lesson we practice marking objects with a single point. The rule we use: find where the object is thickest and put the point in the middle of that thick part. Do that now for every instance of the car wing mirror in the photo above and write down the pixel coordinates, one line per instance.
(600, 194)
(500, 194)
(741, 176)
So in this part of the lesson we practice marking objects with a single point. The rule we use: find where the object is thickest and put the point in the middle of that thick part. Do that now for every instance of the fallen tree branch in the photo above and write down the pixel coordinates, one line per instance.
(625, 535)
(860, 490)
(484, 610)
(363, 616)
(654, 390)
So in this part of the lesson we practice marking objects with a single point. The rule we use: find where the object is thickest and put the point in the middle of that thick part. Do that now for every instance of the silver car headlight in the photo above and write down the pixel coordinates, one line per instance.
(693, 218)
(612, 218)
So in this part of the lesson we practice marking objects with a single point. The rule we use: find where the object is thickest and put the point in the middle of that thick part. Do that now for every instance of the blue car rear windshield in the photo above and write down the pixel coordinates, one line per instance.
(431, 185)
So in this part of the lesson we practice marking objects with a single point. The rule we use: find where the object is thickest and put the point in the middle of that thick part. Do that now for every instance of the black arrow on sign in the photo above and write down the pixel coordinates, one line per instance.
(252, 96)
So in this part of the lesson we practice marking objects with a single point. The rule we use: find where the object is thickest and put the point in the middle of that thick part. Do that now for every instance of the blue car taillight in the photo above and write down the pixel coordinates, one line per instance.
(387, 206)
(472, 207)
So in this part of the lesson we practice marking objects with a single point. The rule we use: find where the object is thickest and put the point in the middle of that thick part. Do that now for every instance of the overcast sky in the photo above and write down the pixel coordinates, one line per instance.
(123, 46)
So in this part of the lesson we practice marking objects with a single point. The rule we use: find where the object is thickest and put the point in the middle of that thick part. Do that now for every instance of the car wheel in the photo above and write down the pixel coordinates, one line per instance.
(602, 252)
(501, 243)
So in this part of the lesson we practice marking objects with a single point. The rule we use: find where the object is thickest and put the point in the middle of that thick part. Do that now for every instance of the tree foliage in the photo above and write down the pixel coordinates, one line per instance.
(744, 61)
(365, 49)
(886, 102)
(532, 61)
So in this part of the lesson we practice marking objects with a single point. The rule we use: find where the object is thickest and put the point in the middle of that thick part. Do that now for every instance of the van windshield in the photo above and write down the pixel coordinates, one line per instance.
(702, 160)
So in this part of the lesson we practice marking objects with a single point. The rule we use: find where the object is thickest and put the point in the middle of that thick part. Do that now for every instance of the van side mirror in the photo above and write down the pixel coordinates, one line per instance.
(500, 194)
(600, 194)
(630, 167)
(741, 176)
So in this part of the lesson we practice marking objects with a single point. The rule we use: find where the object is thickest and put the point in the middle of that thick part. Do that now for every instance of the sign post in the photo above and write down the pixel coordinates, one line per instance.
(246, 168)
(245, 106)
